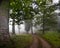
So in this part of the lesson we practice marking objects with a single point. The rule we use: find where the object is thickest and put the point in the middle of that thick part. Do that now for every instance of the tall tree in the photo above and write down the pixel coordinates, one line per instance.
(47, 10)
(23, 6)
(16, 7)
(4, 28)
(12, 16)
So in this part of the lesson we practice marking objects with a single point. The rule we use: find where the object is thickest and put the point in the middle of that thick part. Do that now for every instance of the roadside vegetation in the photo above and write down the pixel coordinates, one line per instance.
(52, 37)
(20, 41)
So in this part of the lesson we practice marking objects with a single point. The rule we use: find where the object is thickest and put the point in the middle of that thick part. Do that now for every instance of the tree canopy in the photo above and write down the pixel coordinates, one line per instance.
(28, 9)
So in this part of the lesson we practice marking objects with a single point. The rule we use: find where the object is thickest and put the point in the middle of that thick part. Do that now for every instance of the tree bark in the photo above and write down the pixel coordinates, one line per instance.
(27, 26)
(13, 27)
(31, 27)
(4, 28)
(19, 28)
(43, 24)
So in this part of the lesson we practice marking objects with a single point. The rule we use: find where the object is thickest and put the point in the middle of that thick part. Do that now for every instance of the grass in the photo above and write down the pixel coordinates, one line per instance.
(22, 41)
(19, 41)
(53, 38)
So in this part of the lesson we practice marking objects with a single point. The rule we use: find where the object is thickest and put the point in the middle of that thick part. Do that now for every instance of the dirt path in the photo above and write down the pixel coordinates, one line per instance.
(36, 41)
(44, 43)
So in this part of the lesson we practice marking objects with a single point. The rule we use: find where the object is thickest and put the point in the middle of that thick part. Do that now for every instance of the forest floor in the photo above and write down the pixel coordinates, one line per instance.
(37, 40)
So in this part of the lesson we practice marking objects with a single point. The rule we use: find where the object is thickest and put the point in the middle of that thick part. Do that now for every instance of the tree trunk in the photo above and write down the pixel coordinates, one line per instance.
(31, 25)
(13, 27)
(4, 28)
(43, 25)
(27, 26)
(19, 28)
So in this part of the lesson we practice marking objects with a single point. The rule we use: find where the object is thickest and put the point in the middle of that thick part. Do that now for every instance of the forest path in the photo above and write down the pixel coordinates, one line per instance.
(35, 43)
(37, 40)
(44, 43)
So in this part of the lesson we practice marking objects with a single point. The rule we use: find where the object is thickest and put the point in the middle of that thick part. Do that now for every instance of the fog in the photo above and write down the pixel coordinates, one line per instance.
(22, 29)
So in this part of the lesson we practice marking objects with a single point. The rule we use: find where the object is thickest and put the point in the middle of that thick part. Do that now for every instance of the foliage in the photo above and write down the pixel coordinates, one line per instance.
(47, 17)
(21, 10)
(27, 9)
(21, 7)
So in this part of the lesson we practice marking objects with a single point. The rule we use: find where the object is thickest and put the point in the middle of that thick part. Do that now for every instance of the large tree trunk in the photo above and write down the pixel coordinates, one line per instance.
(4, 28)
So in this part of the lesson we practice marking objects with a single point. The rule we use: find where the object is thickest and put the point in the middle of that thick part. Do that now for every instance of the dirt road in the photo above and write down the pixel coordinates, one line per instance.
(37, 40)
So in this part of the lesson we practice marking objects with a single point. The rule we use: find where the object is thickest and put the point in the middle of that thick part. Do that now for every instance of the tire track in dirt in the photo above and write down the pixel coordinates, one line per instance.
(35, 43)
(44, 43)
(37, 40)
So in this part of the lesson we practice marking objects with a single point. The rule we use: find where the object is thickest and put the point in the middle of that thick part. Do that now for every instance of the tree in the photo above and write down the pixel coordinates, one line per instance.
(23, 6)
(4, 31)
(48, 19)
(28, 9)
(32, 9)
(58, 14)
(12, 16)
(16, 7)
